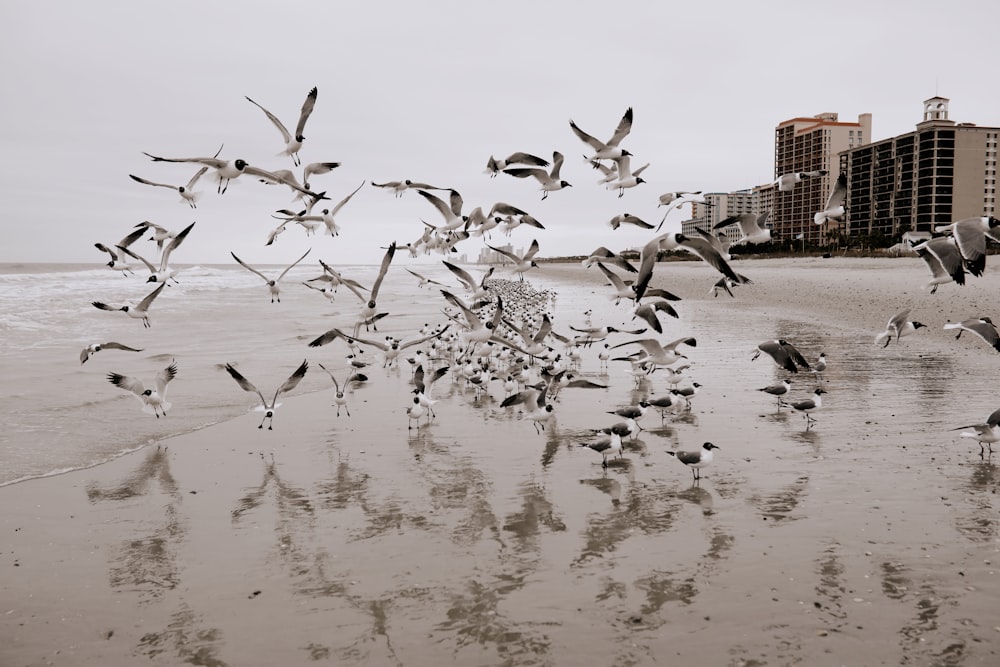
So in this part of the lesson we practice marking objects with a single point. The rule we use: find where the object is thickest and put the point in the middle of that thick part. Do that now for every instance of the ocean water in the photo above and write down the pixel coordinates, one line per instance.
(60, 415)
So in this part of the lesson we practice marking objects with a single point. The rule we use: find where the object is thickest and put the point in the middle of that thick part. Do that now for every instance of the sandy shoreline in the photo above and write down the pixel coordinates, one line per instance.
(872, 538)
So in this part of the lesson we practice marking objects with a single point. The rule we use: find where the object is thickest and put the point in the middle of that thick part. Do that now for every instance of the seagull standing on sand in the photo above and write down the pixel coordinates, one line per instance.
(987, 432)
(808, 405)
(293, 142)
(696, 460)
(609, 444)
(186, 192)
(897, 327)
(272, 284)
(154, 401)
(266, 407)
(777, 390)
(139, 311)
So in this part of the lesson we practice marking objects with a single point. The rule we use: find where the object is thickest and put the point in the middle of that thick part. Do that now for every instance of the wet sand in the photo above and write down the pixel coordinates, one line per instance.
(870, 538)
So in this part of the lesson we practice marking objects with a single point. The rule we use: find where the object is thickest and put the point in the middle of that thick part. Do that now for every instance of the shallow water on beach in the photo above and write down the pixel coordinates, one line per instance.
(867, 537)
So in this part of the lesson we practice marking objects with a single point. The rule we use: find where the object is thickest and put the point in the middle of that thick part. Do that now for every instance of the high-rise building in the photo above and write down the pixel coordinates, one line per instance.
(809, 144)
(939, 173)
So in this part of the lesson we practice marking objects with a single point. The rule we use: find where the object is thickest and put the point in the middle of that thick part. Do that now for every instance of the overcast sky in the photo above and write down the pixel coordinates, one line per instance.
(428, 91)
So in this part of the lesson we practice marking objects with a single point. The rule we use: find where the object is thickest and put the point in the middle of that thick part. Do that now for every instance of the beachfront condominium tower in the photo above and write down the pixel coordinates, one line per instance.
(941, 172)
(810, 144)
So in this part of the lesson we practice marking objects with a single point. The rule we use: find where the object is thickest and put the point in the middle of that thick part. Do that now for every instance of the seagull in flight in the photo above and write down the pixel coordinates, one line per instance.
(186, 192)
(970, 236)
(272, 284)
(944, 259)
(164, 273)
(118, 262)
(266, 407)
(139, 311)
(784, 355)
(522, 263)
(608, 150)
(650, 252)
(834, 210)
(980, 326)
(339, 398)
(752, 226)
(626, 177)
(94, 348)
(399, 187)
(227, 170)
(293, 142)
(495, 166)
(786, 182)
(154, 401)
(549, 180)
(897, 327)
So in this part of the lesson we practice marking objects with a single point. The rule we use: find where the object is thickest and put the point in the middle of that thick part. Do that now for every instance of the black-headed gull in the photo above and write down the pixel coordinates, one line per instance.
(808, 405)
(328, 216)
(227, 170)
(154, 401)
(163, 273)
(266, 407)
(699, 247)
(627, 177)
(523, 263)
(784, 354)
(186, 192)
(118, 261)
(610, 149)
(944, 259)
(970, 235)
(628, 218)
(986, 432)
(696, 460)
(897, 327)
(340, 393)
(609, 444)
(139, 311)
(94, 348)
(752, 226)
(549, 180)
(272, 283)
(160, 233)
(494, 166)
(293, 142)
(980, 326)
(399, 187)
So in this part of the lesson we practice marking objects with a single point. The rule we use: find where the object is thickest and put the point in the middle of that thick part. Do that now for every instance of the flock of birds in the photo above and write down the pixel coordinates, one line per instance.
(498, 330)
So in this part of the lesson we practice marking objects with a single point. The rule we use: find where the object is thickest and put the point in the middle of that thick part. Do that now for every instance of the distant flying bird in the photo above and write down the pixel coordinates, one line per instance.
(94, 348)
(186, 192)
(154, 401)
(293, 142)
(628, 218)
(494, 166)
(272, 283)
(834, 210)
(399, 187)
(523, 263)
(266, 407)
(163, 273)
(897, 327)
(139, 311)
(980, 326)
(786, 182)
(549, 180)
(610, 149)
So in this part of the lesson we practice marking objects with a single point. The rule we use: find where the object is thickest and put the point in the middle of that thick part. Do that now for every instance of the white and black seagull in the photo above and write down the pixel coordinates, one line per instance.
(154, 400)
(986, 432)
(139, 311)
(980, 326)
(94, 348)
(293, 142)
(186, 192)
(272, 283)
(549, 180)
(268, 407)
(610, 149)
(897, 327)
(696, 460)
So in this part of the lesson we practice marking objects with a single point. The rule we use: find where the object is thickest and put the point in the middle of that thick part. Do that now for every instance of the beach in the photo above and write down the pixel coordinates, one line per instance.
(871, 537)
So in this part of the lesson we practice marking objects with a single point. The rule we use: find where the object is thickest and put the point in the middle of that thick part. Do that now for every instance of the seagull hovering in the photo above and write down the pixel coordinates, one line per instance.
(118, 262)
(898, 326)
(607, 150)
(752, 226)
(980, 326)
(164, 273)
(94, 348)
(522, 263)
(626, 177)
(339, 398)
(786, 182)
(834, 210)
(272, 284)
(451, 212)
(970, 236)
(227, 170)
(495, 166)
(293, 142)
(549, 180)
(139, 311)
(628, 218)
(186, 192)
(944, 259)
(266, 407)
(154, 401)
(368, 315)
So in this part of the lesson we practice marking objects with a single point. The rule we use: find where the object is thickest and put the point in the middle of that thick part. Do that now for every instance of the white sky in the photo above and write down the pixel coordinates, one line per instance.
(428, 91)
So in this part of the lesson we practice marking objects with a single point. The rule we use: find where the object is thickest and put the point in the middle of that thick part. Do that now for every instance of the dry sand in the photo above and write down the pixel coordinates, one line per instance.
(869, 539)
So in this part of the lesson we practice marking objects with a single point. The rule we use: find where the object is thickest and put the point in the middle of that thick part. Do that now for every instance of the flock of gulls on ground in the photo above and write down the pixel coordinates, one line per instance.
(500, 330)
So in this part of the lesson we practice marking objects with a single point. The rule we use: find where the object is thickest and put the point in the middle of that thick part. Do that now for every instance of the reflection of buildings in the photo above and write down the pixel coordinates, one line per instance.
(939, 173)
